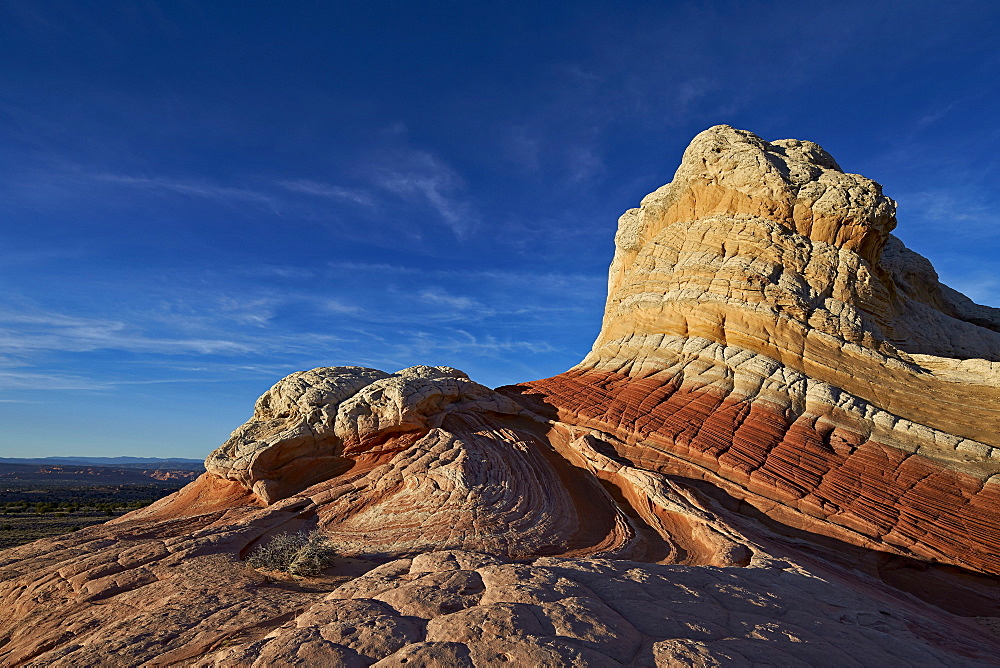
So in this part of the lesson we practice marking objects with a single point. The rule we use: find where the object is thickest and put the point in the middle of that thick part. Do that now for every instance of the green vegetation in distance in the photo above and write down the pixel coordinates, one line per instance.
(28, 513)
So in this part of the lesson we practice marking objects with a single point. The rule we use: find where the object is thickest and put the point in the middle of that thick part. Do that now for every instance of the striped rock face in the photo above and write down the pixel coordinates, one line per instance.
(764, 332)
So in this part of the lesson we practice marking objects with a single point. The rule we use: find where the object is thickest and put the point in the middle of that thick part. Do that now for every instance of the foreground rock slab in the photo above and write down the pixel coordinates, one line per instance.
(190, 606)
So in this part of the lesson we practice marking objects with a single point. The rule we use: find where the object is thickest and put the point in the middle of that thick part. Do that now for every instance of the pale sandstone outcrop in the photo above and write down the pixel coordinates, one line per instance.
(782, 449)
(778, 252)
(311, 425)
(421, 459)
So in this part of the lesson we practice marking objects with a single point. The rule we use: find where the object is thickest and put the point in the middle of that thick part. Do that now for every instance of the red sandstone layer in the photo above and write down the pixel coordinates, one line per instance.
(803, 470)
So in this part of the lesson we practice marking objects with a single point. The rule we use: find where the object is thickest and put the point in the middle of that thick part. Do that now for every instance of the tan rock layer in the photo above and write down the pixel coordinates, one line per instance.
(731, 172)
(769, 247)
(743, 284)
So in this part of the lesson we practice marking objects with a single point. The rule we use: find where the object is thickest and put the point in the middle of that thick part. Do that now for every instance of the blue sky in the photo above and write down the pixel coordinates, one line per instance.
(197, 199)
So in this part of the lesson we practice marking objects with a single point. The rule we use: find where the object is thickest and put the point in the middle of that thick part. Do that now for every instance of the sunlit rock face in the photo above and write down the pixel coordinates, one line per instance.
(314, 425)
(782, 449)
(425, 458)
(765, 333)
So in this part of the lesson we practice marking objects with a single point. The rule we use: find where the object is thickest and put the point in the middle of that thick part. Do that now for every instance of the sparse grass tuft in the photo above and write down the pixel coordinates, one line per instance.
(294, 553)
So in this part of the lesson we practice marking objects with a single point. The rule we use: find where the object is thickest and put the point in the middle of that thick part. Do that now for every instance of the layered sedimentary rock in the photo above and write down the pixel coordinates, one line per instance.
(765, 332)
(782, 449)
(418, 460)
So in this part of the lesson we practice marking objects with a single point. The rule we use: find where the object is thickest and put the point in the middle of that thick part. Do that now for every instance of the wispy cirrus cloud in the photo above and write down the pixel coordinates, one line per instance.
(14, 380)
(22, 333)
(317, 189)
(64, 181)
(192, 325)
(257, 311)
(421, 177)
(540, 280)
(415, 177)
(935, 115)
(980, 287)
(339, 307)
(459, 341)
(203, 189)
(438, 297)
(25, 380)
(961, 210)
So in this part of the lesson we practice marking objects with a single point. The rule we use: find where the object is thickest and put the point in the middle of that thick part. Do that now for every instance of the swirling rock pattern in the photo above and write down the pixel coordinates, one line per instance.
(782, 449)
(417, 460)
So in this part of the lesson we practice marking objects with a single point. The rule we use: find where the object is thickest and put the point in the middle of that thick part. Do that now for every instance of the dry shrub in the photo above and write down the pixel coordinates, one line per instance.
(298, 553)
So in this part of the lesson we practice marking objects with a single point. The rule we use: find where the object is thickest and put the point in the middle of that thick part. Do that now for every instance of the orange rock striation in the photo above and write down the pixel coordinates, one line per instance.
(782, 449)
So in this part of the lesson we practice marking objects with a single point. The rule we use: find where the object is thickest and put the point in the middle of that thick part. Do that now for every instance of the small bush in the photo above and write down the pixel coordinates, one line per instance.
(295, 553)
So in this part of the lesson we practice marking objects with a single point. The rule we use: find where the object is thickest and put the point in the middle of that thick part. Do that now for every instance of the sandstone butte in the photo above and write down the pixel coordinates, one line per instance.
(783, 449)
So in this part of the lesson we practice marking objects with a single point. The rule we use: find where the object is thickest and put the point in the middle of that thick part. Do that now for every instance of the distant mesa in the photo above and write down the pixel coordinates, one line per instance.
(784, 447)
(110, 462)
(86, 471)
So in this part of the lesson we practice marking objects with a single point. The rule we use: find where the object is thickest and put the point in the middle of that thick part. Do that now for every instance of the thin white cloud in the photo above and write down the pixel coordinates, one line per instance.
(317, 189)
(438, 297)
(584, 163)
(223, 194)
(962, 211)
(19, 380)
(336, 306)
(258, 312)
(351, 266)
(934, 116)
(522, 145)
(493, 344)
(28, 380)
(285, 272)
(454, 342)
(38, 256)
(979, 287)
(22, 333)
(418, 176)
(539, 280)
